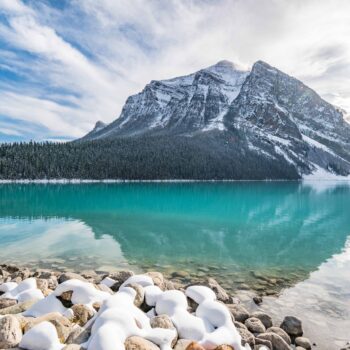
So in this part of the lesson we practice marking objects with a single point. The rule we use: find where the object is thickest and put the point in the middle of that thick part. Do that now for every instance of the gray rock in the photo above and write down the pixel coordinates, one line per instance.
(17, 308)
(158, 279)
(81, 313)
(10, 332)
(69, 276)
(7, 302)
(293, 326)
(247, 337)
(78, 335)
(238, 311)
(254, 325)
(140, 293)
(220, 292)
(120, 277)
(263, 317)
(277, 342)
(138, 343)
(263, 342)
(281, 333)
(164, 321)
(303, 342)
(182, 344)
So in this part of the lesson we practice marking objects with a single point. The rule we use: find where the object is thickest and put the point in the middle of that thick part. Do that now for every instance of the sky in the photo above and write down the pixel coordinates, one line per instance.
(65, 64)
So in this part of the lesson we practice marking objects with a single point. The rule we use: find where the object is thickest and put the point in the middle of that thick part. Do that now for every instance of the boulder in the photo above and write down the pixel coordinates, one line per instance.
(140, 293)
(164, 321)
(70, 276)
(238, 311)
(7, 302)
(61, 323)
(254, 325)
(158, 279)
(120, 277)
(18, 308)
(220, 292)
(303, 342)
(293, 326)
(262, 342)
(82, 314)
(182, 344)
(138, 343)
(78, 335)
(263, 317)
(281, 333)
(277, 342)
(10, 332)
(247, 337)
(194, 346)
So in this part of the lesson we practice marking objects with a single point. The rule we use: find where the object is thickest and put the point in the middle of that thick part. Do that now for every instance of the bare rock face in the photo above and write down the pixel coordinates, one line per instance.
(138, 343)
(293, 326)
(10, 332)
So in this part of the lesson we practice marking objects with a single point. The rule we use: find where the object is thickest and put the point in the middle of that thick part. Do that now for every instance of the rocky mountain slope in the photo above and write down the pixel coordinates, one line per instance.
(262, 114)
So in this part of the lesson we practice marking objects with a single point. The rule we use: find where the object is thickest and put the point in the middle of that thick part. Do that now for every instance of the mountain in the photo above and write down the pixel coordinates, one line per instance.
(250, 119)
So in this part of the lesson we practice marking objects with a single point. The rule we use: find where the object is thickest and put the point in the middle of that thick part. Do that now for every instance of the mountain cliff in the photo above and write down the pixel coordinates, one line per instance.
(262, 115)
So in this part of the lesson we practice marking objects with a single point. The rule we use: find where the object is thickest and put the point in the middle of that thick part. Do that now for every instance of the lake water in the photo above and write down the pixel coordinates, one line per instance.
(288, 241)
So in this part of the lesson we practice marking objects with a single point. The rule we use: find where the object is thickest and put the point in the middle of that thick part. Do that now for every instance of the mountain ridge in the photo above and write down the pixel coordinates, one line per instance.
(267, 112)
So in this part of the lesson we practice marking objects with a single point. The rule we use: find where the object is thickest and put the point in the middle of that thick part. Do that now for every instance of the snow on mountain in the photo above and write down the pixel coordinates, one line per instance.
(264, 113)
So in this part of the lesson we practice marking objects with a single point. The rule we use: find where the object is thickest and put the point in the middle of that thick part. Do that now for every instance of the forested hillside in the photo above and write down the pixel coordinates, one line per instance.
(156, 157)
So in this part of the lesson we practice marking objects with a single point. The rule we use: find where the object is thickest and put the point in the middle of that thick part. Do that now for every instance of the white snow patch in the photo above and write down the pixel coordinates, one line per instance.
(322, 174)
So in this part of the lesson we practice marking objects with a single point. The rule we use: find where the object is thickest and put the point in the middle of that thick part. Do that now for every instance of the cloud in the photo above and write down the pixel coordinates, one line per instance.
(64, 67)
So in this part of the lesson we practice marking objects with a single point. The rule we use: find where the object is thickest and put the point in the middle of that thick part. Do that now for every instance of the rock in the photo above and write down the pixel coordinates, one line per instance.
(69, 276)
(219, 291)
(7, 302)
(257, 300)
(97, 305)
(224, 347)
(61, 323)
(164, 321)
(182, 344)
(72, 347)
(263, 317)
(293, 326)
(138, 343)
(82, 314)
(10, 332)
(17, 308)
(263, 342)
(169, 285)
(194, 346)
(78, 335)
(180, 274)
(247, 337)
(281, 333)
(104, 288)
(239, 312)
(277, 342)
(158, 279)
(303, 342)
(239, 325)
(120, 277)
(140, 293)
(254, 325)
(43, 285)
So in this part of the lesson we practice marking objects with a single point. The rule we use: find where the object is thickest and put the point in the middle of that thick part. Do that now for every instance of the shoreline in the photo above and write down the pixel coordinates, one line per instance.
(68, 303)
(106, 181)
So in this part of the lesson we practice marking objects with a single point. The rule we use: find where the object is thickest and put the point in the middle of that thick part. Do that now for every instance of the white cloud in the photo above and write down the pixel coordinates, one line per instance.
(88, 57)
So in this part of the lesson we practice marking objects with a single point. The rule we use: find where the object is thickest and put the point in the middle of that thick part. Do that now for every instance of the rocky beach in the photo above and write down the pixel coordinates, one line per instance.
(44, 309)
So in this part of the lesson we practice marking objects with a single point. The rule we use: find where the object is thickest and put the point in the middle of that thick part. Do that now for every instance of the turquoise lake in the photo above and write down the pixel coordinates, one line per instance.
(288, 241)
